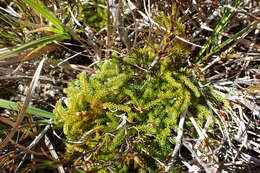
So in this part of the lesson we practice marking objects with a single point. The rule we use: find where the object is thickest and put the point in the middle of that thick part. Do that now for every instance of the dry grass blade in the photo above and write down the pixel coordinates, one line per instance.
(189, 147)
(110, 28)
(178, 142)
(7, 121)
(25, 105)
(25, 148)
(53, 153)
(32, 144)
(29, 55)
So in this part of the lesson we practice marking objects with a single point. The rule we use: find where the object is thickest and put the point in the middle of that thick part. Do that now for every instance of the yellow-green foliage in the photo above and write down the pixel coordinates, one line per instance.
(122, 109)
(127, 113)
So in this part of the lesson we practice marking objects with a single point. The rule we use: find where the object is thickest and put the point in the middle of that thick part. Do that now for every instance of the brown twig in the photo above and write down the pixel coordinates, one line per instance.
(25, 148)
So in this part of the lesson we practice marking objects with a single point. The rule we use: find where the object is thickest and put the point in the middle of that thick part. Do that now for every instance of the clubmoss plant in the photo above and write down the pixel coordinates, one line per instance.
(123, 116)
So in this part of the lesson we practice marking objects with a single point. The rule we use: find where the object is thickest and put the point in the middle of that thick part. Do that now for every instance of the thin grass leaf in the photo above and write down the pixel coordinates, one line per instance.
(6, 19)
(45, 13)
(25, 105)
(247, 29)
(32, 144)
(42, 29)
(5, 35)
(30, 110)
(218, 29)
(35, 43)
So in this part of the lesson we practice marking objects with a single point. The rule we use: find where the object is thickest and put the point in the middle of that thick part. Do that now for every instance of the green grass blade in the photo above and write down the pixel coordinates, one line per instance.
(30, 110)
(228, 41)
(6, 19)
(45, 13)
(218, 29)
(35, 43)
(6, 35)
(51, 29)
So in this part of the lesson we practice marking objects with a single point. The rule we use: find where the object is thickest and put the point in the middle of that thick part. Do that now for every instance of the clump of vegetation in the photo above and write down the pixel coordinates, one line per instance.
(124, 116)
